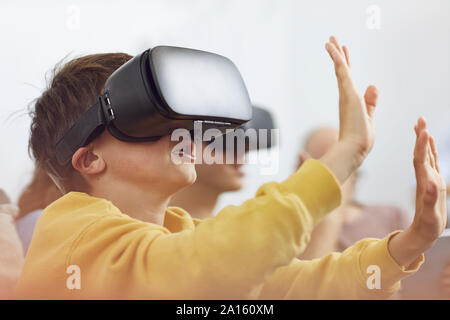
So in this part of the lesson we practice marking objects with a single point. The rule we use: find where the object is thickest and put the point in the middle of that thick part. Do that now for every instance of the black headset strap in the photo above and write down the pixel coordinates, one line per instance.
(89, 126)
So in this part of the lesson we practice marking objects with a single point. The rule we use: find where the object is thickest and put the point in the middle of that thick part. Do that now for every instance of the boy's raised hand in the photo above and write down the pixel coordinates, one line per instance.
(356, 129)
(355, 112)
(431, 214)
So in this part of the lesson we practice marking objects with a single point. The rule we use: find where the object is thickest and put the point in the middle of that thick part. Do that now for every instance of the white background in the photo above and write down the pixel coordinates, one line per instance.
(278, 47)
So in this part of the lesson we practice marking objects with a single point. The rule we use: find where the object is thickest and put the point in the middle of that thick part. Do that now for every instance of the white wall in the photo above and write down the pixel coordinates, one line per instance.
(279, 48)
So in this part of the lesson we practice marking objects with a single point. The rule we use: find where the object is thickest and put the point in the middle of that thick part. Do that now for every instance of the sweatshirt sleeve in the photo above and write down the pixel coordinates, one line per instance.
(222, 257)
(365, 270)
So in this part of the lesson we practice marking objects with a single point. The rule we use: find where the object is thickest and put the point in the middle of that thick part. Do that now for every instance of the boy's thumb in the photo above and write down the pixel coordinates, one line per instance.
(371, 98)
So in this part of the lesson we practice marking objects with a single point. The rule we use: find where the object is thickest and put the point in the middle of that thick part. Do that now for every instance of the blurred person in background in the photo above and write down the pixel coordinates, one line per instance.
(17, 224)
(11, 252)
(36, 196)
(201, 197)
(352, 221)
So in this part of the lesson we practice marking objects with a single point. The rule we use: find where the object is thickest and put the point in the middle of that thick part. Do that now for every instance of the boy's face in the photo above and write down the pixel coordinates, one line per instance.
(147, 165)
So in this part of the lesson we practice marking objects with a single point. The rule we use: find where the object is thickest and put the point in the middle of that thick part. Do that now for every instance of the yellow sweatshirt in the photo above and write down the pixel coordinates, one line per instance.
(246, 251)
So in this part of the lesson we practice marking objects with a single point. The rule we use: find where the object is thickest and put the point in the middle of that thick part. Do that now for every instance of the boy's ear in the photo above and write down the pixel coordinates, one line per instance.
(86, 161)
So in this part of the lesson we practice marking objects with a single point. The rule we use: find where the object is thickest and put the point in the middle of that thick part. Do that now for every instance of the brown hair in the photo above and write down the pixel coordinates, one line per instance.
(73, 88)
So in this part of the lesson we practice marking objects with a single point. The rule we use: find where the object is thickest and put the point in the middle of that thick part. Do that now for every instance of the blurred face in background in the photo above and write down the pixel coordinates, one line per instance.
(220, 177)
(320, 141)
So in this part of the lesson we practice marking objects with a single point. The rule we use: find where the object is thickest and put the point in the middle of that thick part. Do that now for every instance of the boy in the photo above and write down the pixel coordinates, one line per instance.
(120, 240)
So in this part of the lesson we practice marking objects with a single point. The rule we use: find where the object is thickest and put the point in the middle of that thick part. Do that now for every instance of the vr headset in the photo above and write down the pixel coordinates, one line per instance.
(261, 120)
(158, 91)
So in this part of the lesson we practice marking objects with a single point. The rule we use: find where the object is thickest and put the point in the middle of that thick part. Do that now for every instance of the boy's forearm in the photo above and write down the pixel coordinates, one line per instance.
(343, 159)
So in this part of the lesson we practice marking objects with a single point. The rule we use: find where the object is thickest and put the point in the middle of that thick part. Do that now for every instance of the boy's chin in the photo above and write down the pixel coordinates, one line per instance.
(187, 174)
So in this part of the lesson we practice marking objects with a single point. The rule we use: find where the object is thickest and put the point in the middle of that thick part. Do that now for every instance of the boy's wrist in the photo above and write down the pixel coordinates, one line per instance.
(407, 246)
(417, 239)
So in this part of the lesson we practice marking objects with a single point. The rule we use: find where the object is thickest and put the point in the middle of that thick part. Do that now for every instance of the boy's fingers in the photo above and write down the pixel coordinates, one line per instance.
(347, 55)
(422, 155)
(434, 152)
(431, 161)
(421, 124)
(335, 41)
(420, 150)
(334, 54)
(371, 98)
(342, 72)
